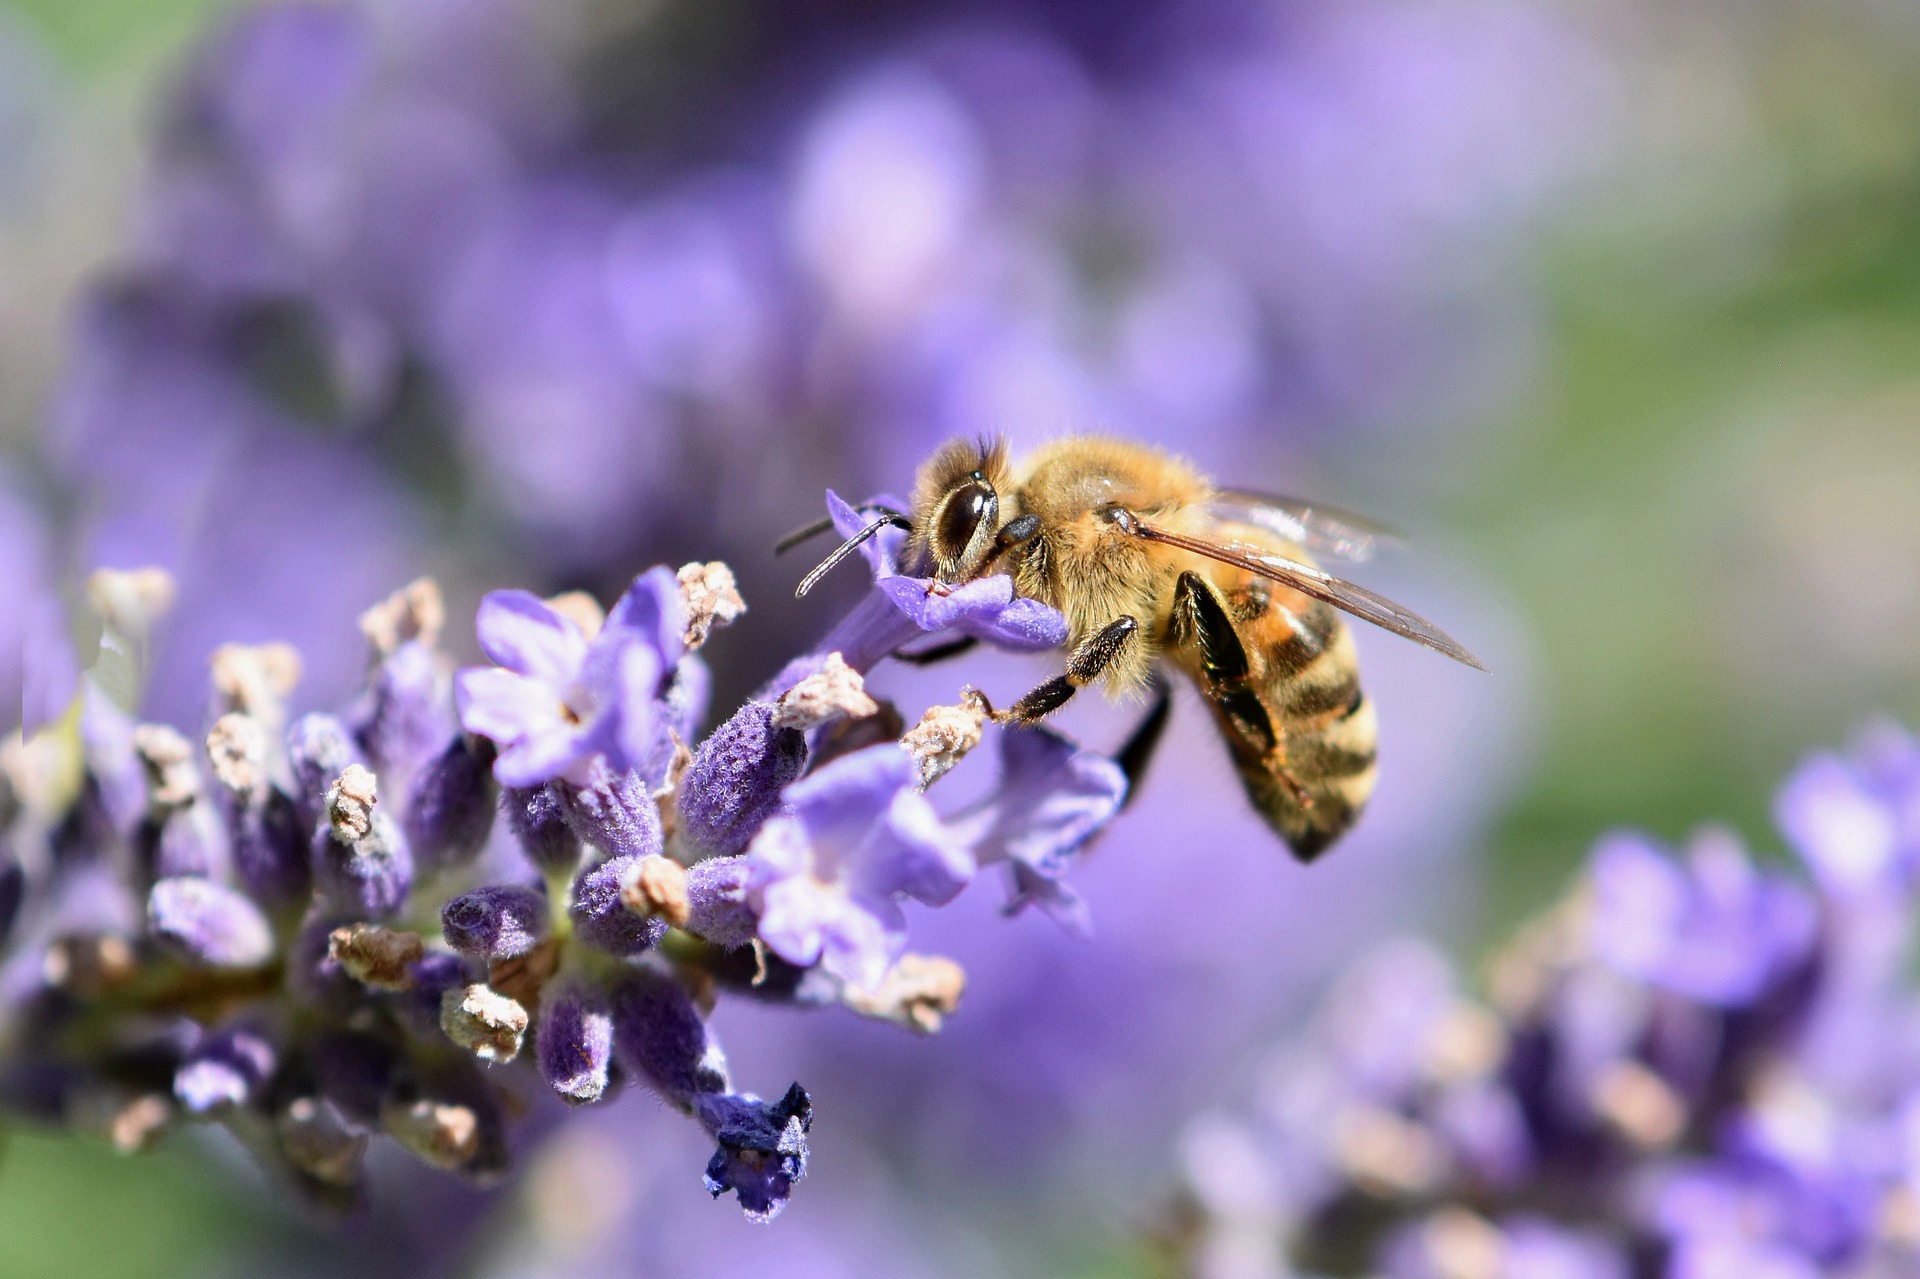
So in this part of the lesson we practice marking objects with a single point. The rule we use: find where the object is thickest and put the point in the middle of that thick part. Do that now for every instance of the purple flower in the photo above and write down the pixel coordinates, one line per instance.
(1856, 822)
(554, 700)
(763, 1148)
(1717, 930)
(900, 609)
(717, 906)
(828, 876)
(1052, 799)
(539, 820)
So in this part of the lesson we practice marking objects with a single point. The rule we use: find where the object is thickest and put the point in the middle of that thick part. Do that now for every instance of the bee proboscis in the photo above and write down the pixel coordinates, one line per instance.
(1152, 564)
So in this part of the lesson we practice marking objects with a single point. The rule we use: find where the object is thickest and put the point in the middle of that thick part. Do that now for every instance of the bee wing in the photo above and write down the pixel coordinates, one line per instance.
(1308, 580)
(1317, 526)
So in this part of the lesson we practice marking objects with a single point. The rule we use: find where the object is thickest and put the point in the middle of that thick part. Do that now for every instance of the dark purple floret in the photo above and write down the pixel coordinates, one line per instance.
(601, 918)
(319, 748)
(13, 888)
(735, 780)
(354, 1071)
(575, 1043)
(209, 923)
(660, 1036)
(763, 1148)
(614, 812)
(270, 843)
(372, 873)
(405, 722)
(450, 812)
(180, 841)
(432, 977)
(538, 817)
(497, 922)
(227, 1068)
(717, 901)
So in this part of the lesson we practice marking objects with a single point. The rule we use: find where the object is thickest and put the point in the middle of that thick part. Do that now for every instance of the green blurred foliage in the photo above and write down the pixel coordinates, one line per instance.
(75, 1208)
(98, 36)
(1710, 516)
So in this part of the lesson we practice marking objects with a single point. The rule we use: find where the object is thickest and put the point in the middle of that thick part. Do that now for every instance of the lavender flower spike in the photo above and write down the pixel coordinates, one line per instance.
(734, 782)
(827, 877)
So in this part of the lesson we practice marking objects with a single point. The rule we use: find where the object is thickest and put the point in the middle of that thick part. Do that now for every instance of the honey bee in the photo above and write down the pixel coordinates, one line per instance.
(1152, 564)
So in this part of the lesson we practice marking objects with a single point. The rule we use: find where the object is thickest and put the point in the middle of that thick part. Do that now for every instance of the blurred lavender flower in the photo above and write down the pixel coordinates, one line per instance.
(1651, 1090)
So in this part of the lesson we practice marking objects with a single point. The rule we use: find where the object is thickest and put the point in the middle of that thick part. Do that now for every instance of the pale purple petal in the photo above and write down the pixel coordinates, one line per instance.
(523, 635)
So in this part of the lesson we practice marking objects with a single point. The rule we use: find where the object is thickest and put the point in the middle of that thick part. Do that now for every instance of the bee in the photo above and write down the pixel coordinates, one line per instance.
(1154, 566)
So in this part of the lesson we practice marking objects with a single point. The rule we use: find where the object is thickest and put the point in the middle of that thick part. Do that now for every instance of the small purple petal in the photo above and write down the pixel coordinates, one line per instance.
(654, 609)
(209, 923)
(523, 635)
(496, 922)
(1847, 835)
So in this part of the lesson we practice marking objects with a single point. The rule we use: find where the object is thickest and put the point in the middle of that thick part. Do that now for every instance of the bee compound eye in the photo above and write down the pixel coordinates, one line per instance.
(957, 528)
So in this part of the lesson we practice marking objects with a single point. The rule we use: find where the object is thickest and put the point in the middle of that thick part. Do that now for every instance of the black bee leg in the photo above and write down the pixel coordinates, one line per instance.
(934, 653)
(1200, 617)
(1138, 750)
(1090, 659)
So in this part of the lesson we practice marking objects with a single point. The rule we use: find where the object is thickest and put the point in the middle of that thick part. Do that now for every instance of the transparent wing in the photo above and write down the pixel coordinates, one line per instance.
(1318, 527)
(1308, 580)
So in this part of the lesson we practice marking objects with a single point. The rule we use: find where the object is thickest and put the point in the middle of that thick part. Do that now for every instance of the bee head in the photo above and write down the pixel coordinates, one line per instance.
(961, 529)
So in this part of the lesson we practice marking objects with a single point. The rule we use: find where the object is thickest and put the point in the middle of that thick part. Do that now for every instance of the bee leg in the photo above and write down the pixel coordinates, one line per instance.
(1090, 659)
(1137, 752)
(1202, 618)
(934, 653)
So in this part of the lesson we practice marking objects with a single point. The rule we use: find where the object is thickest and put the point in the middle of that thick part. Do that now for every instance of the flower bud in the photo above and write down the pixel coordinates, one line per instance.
(208, 923)
(495, 922)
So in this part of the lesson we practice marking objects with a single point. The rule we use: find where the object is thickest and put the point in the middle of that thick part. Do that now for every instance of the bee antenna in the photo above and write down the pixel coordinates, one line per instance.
(847, 548)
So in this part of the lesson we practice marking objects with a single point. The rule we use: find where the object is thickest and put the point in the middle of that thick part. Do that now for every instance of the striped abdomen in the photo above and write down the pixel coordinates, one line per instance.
(1280, 674)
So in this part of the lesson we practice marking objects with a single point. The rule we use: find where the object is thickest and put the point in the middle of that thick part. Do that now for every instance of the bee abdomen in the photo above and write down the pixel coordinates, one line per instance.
(1329, 740)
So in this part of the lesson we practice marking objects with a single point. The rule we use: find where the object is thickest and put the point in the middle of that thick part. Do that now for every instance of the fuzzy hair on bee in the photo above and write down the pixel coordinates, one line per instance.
(1155, 567)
